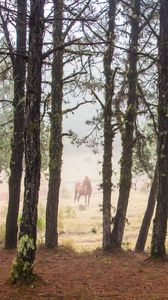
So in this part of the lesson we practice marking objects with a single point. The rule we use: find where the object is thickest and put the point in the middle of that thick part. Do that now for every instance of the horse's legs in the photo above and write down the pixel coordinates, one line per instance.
(85, 201)
(79, 197)
(89, 199)
(75, 196)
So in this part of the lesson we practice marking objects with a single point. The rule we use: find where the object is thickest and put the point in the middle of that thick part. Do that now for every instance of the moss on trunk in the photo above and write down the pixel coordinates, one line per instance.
(128, 134)
(108, 133)
(56, 146)
(19, 72)
(22, 269)
(160, 221)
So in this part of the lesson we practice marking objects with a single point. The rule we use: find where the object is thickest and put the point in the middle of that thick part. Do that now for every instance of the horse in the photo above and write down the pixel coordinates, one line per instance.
(83, 189)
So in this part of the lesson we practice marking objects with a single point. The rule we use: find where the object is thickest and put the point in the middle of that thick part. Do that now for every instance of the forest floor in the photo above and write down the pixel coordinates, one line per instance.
(74, 273)
(66, 275)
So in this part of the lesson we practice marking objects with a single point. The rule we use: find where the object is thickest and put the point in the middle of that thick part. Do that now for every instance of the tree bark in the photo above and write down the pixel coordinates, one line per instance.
(23, 267)
(19, 73)
(160, 221)
(108, 133)
(128, 135)
(143, 233)
(55, 150)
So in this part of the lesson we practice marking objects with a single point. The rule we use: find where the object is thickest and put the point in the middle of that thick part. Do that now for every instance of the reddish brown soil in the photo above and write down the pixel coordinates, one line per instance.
(65, 275)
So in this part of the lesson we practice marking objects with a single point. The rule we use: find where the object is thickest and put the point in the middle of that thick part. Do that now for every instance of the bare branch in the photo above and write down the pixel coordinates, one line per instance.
(68, 110)
(97, 98)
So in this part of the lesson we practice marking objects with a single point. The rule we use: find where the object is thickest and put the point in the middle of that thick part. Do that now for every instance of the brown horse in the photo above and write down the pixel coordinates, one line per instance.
(83, 189)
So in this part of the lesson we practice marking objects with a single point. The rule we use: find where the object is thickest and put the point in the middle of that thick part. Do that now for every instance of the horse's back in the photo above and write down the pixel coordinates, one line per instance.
(84, 188)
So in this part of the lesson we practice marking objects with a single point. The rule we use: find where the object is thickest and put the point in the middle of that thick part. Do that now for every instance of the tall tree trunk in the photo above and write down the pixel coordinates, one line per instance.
(55, 150)
(143, 233)
(160, 221)
(108, 133)
(19, 72)
(128, 135)
(23, 267)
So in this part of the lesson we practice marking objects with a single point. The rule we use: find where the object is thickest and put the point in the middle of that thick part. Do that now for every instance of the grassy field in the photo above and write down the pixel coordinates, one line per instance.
(80, 227)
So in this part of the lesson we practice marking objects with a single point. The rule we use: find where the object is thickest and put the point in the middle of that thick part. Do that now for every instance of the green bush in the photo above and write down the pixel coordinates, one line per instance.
(40, 223)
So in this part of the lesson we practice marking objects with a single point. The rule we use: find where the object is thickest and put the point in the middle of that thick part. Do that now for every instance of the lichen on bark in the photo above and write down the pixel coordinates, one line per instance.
(22, 268)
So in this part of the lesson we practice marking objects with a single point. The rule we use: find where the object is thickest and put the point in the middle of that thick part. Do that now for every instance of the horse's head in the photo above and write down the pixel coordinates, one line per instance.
(86, 181)
(87, 185)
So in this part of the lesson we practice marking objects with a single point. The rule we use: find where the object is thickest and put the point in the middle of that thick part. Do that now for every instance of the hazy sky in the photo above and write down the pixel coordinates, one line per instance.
(81, 161)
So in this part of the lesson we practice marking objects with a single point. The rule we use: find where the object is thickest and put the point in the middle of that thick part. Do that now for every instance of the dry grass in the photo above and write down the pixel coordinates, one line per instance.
(82, 228)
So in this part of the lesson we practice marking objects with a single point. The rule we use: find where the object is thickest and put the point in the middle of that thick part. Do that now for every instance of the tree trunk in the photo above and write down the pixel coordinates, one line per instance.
(19, 72)
(23, 267)
(143, 233)
(108, 133)
(55, 150)
(160, 221)
(128, 135)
